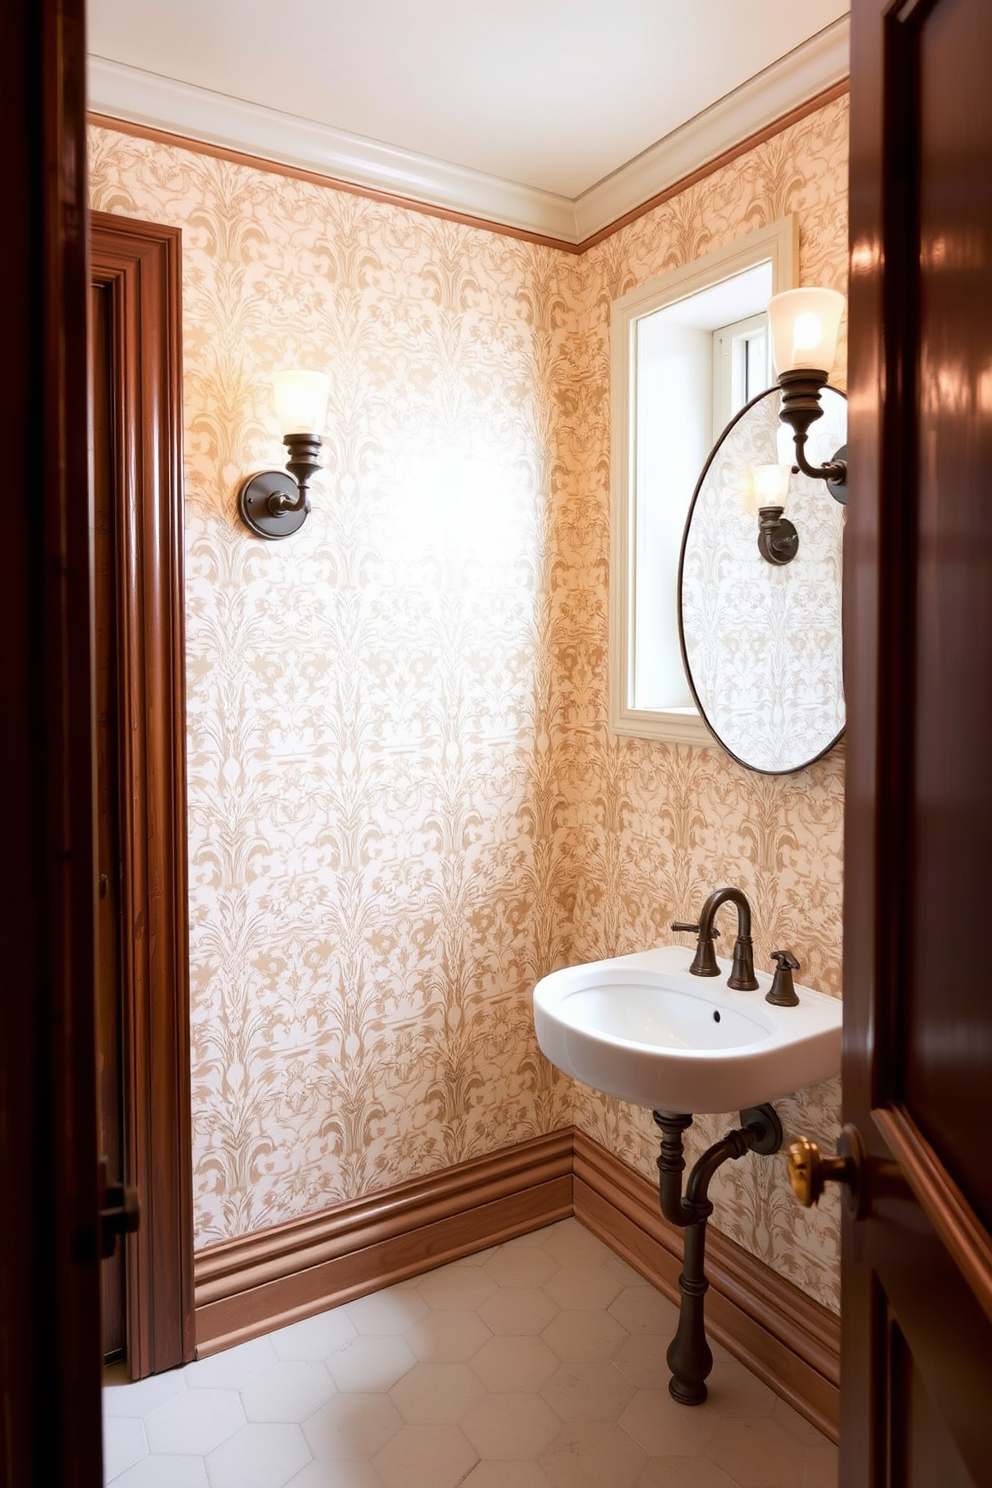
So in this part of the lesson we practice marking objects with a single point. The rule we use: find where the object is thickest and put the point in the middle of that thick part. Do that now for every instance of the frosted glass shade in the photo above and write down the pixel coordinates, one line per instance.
(804, 324)
(770, 484)
(301, 402)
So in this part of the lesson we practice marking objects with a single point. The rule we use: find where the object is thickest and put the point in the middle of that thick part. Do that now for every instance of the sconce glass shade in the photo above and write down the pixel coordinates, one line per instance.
(804, 325)
(301, 402)
(770, 484)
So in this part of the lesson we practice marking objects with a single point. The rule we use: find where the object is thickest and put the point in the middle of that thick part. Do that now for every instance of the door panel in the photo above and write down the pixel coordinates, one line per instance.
(949, 1037)
(917, 1290)
(924, 1453)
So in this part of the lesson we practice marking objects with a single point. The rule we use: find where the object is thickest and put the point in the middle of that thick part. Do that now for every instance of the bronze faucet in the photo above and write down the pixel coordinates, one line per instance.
(742, 977)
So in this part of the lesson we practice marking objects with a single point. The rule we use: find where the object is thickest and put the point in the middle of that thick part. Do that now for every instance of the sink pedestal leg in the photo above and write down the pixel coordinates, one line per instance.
(689, 1356)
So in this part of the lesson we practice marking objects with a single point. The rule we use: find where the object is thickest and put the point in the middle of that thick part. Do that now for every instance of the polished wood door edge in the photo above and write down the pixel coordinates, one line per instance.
(484, 224)
(945, 1206)
(265, 1280)
(782, 1335)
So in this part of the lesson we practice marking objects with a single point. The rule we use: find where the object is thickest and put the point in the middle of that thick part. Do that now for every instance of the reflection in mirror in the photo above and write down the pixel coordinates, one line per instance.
(688, 350)
(761, 637)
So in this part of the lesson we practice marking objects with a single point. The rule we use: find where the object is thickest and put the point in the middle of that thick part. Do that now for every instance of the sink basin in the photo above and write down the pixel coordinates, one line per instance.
(642, 1028)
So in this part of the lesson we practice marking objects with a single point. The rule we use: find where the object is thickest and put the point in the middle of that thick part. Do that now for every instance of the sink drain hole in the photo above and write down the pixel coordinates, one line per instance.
(716, 1016)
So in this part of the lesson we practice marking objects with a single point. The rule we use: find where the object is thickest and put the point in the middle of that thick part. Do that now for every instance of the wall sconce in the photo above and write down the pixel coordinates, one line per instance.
(272, 503)
(804, 325)
(778, 540)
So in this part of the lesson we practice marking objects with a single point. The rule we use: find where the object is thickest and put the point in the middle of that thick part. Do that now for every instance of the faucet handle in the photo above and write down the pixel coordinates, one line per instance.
(694, 929)
(782, 993)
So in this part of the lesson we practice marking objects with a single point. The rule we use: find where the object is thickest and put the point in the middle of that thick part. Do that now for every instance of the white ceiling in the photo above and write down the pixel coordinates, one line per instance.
(554, 95)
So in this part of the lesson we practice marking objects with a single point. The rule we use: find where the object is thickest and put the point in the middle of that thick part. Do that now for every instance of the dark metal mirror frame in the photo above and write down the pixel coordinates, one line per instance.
(793, 769)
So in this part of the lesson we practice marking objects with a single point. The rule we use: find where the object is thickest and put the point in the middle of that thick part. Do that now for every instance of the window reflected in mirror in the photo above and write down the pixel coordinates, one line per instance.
(689, 351)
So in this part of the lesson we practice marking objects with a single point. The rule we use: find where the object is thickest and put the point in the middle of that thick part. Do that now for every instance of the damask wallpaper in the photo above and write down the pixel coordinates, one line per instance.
(405, 805)
(654, 828)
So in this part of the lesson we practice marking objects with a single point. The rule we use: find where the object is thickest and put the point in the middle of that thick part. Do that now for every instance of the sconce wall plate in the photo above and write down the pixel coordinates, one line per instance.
(275, 504)
(269, 504)
(838, 487)
(778, 540)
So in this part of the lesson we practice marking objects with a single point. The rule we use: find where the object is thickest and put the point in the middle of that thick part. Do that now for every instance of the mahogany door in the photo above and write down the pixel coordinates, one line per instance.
(917, 1289)
(49, 1234)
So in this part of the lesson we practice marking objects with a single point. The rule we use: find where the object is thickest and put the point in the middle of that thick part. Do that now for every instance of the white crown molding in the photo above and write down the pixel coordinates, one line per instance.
(146, 98)
(800, 75)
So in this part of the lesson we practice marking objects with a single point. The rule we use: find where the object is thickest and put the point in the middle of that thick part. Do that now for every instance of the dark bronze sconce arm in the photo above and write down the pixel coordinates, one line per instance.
(834, 472)
(801, 407)
(302, 464)
(275, 504)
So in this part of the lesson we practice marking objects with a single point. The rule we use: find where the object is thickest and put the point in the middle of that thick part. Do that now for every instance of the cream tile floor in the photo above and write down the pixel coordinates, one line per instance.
(537, 1364)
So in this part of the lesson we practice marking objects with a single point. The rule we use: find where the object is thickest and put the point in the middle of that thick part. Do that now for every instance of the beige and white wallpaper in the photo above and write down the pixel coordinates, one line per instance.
(405, 804)
(655, 827)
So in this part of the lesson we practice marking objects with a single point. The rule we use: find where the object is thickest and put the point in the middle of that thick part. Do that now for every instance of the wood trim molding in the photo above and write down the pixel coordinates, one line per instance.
(248, 1286)
(155, 107)
(265, 1280)
(139, 263)
(783, 1336)
(945, 1206)
(291, 172)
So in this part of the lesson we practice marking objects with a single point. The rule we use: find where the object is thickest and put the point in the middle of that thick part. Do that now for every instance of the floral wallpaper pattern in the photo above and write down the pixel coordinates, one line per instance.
(655, 827)
(405, 805)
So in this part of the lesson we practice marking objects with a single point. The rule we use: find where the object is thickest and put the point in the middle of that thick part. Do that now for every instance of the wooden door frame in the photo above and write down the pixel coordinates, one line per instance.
(139, 265)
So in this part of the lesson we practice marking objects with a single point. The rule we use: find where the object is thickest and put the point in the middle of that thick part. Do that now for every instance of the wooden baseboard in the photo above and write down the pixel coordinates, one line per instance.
(265, 1280)
(783, 1336)
(258, 1282)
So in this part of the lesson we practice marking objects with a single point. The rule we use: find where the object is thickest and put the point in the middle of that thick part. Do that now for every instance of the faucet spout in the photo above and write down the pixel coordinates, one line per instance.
(742, 977)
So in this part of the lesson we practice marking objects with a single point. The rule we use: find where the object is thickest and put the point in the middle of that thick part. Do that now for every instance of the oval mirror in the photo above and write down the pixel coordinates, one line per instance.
(761, 641)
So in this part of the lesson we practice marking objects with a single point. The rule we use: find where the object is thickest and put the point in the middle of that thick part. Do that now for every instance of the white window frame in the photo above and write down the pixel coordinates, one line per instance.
(730, 391)
(777, 244)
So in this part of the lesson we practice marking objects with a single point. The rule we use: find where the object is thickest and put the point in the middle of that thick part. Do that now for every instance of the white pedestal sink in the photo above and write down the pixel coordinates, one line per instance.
(642, 1028)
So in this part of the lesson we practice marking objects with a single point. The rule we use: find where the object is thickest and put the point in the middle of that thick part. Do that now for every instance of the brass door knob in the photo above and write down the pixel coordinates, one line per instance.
(810, 1171)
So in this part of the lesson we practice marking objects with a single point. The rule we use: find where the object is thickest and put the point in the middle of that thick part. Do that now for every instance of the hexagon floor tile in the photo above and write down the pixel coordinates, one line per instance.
(539, 1363)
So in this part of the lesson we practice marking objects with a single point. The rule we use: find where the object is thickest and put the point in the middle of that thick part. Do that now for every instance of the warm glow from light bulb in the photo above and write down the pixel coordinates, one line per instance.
(765, 485)
(301, 402)
(807, 331)
(770, 484)
(804, 325)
